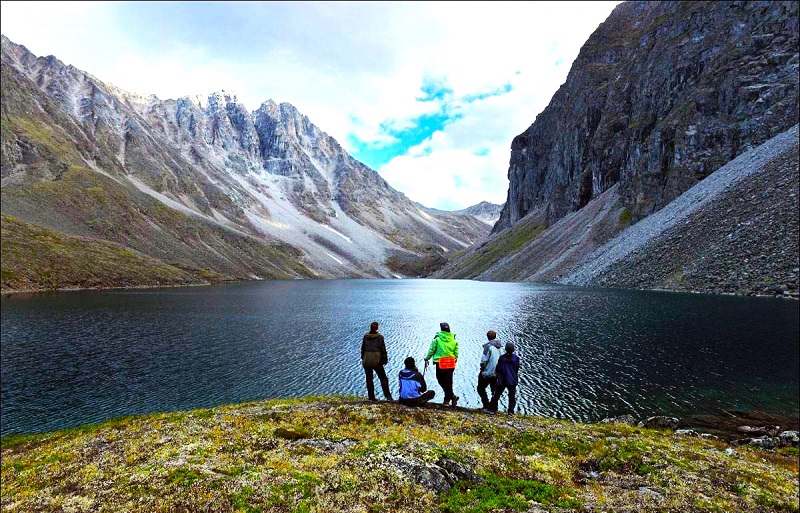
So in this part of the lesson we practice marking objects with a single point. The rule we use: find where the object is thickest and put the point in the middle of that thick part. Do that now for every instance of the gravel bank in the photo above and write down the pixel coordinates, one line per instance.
(734, 232)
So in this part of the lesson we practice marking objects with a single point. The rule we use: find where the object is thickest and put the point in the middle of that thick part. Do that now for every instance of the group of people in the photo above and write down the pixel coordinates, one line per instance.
(499, 371)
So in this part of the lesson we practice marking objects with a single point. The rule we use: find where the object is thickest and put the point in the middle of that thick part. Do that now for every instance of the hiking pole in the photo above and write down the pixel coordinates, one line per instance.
(425, 369)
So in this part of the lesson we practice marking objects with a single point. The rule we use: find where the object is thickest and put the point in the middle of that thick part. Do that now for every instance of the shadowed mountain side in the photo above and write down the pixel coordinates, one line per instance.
(735, 232)
(661, 95)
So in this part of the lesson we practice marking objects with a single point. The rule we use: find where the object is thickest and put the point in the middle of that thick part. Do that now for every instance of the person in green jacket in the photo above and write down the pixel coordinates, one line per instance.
(444, 351)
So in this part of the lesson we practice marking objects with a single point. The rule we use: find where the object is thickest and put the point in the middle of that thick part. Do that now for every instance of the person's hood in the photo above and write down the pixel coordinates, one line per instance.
(373, 334)
(496, 343)
(446, 335)
(407, 373)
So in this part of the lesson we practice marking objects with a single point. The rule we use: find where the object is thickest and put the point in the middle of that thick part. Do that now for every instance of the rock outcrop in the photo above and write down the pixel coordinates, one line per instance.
(661, 95)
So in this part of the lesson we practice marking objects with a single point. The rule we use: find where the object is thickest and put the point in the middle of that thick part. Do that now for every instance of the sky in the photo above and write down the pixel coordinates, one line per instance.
(428, 94)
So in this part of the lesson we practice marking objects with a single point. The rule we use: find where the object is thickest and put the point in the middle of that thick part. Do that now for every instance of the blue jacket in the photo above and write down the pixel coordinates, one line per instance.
(412, 384)
(507, 370)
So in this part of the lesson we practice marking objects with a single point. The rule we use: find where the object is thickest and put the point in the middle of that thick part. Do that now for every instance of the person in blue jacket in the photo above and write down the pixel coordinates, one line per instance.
(413, 389)
(507, 372)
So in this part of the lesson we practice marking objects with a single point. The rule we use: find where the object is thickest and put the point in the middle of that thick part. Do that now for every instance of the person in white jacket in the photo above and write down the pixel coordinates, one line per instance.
(486, 376)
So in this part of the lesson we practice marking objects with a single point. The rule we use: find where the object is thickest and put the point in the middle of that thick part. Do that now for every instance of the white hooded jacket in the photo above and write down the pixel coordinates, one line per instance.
(491, 353)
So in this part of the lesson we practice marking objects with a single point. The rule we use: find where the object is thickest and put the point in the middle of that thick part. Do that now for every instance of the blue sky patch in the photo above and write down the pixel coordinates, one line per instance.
(434, 90)
(500, 91)
(375, 155)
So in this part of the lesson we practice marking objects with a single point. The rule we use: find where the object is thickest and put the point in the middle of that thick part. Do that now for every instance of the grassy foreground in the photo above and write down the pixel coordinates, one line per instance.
(345, 454)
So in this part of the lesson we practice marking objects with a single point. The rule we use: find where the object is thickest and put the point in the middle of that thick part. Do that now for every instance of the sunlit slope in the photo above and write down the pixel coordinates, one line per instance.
(269, 174)
(35, 258)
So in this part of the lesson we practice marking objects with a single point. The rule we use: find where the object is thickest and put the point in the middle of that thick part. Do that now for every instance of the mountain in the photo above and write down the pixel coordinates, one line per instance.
(200, 184)
(487, 212)
(662, 95)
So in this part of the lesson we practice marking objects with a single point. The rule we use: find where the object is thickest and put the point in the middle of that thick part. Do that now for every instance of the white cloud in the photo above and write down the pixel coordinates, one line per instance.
(354, 68)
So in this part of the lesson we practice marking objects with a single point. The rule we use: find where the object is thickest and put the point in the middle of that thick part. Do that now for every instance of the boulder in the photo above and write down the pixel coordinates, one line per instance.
(622, 419)
(659, 422)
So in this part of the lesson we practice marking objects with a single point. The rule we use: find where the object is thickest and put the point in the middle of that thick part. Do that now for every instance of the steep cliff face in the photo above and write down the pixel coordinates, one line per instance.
(661, 95)
(172, 172)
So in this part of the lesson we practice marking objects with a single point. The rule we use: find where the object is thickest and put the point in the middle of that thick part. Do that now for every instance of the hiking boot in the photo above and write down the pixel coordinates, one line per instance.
(487, 411)
(455, 400)
(446, 403)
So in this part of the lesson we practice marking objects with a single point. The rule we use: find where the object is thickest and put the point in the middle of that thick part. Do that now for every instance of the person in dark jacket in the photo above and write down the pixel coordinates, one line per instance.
(413, 389)
(373, 358)
(507, 372)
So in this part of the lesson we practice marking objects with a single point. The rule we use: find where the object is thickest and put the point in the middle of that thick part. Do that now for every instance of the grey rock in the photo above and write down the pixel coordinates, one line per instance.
(338, 447)
(761, 430)
(458, 471)
(622, 419)
(415, 470)
(643, 490)
(657, 103)
(765, 442)
(659, 422)
(788, 438)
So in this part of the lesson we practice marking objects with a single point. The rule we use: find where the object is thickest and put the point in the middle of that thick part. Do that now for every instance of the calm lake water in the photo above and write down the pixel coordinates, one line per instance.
(79, 357)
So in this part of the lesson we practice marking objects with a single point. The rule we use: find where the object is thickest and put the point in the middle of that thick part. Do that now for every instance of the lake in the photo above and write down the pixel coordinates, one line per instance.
(71, 358)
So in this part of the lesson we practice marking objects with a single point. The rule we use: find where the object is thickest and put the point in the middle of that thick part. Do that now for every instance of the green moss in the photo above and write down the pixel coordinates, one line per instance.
(625, 216)
(183, 476)
(498, 493)
(507, 243)
(533, 442)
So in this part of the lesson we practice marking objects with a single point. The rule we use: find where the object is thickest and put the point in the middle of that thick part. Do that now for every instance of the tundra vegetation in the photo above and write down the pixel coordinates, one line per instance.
(345, 454)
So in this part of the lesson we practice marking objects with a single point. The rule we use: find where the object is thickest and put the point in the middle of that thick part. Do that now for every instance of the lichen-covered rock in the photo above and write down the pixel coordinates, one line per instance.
(788, 438)
(659, 422)
(415, 470)
(623, 419)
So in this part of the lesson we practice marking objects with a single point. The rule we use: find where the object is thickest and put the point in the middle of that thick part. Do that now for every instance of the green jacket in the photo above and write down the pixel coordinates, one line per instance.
(443, 344)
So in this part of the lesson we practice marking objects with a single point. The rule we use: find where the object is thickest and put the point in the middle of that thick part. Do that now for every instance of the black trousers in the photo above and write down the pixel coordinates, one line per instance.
(445, 379)
(484, 382)
(512, 397)
(419, 401)
(387, 393)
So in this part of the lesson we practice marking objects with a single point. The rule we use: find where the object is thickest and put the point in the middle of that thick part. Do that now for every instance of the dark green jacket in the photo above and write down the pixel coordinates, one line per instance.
(373, 343)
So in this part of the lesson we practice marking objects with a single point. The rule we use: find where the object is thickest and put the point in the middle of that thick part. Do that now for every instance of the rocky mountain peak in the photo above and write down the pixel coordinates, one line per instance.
(661, 95)
(202, 181)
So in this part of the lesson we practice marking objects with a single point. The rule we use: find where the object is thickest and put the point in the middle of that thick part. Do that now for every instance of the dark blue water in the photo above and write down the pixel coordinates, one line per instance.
(80, 357)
